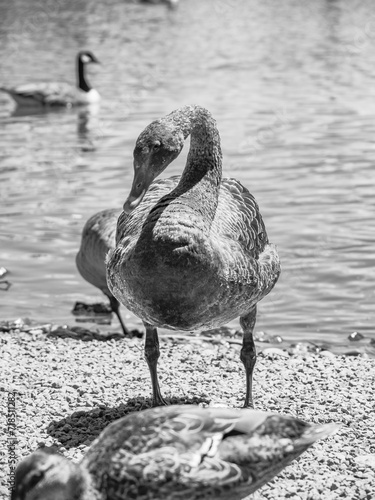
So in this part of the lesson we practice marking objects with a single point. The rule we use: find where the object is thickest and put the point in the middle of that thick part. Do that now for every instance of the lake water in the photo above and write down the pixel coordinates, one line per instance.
(292, 87)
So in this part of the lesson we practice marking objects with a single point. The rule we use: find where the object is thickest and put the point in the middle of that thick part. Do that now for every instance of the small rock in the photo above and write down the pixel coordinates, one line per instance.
(367, 460)
(276, 339)
(36, 331)
(262, 337)
(327, 354)
(274, 351)
(18, 323)
(55, 382)
(3, 271)
(302, 348)
(355, 336)
(80, 308)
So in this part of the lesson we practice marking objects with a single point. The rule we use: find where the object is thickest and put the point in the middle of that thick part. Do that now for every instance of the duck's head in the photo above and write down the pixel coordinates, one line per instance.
(156, 147)
(86, 57)
(47, 475)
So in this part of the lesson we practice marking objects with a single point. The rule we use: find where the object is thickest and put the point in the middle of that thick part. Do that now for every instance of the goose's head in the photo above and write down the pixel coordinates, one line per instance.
(86, 57)
(47, 475)
(156, 147)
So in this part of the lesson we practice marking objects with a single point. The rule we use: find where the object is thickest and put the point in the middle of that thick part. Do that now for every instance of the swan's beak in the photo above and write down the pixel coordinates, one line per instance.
(142, 179)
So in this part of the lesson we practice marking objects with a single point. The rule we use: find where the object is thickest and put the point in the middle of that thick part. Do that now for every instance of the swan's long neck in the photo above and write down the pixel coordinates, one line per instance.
(82, 82)
(203, 170)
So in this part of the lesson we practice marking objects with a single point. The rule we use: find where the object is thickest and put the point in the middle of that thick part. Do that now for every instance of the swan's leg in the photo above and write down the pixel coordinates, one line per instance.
(248, 353)
(115, 305)
(152, 354)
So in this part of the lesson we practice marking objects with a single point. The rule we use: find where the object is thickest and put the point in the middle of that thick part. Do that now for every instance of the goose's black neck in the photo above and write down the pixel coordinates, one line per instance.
(82, 82)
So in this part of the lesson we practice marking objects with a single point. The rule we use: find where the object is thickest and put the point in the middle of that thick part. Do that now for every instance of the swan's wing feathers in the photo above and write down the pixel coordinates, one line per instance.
(132, 224)
(238, 217)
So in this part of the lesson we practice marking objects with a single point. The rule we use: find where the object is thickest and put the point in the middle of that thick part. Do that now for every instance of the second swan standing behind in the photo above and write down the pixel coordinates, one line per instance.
(98, 237)
(192, 252)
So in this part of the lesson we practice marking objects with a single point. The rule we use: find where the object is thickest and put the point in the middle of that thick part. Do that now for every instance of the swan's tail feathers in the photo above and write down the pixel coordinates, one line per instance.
(269, 262)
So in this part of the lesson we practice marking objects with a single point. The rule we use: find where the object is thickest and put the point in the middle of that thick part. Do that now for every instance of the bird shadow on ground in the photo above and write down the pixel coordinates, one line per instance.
(82, 427)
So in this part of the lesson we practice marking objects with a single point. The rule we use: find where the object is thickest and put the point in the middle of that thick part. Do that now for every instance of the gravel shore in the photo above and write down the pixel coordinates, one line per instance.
(66, 390)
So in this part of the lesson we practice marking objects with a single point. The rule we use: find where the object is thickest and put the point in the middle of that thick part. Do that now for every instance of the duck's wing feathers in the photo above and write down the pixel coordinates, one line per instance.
(189, 452)
(163, 450)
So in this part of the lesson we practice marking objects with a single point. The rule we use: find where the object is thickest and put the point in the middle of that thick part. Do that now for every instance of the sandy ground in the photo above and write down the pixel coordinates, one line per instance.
(64, 391)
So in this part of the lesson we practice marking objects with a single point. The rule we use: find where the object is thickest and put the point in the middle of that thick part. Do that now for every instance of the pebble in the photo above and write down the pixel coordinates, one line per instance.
(356, 336)
(327, 354)
(274, 352)
(367, 460)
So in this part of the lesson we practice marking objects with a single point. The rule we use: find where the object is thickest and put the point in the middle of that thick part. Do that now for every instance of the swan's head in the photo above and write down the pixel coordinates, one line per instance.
(47, 475)
(85, 56)
(157, 146)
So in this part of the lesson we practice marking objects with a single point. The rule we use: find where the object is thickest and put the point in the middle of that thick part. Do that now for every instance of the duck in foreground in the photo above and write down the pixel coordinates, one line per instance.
(192, 252)
(98, 237)
(58, 93)
(173, 453)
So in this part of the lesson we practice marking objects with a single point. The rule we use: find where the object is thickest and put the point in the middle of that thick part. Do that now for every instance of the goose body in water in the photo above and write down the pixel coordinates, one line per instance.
(171, 454)
(58, 93)
(192, 252)
(170, 3)
(98, 237)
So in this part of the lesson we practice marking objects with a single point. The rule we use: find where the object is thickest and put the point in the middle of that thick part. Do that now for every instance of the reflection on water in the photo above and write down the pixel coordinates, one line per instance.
(291, 86)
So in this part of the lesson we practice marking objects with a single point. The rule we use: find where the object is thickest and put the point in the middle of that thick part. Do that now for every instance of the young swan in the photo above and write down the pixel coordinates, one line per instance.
(172, 453)
(192, 251)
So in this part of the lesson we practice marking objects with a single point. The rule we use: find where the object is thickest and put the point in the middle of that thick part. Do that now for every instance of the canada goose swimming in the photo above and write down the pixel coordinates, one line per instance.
(192, 252)
(170, 454)
(98, 237)
(59, 93)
